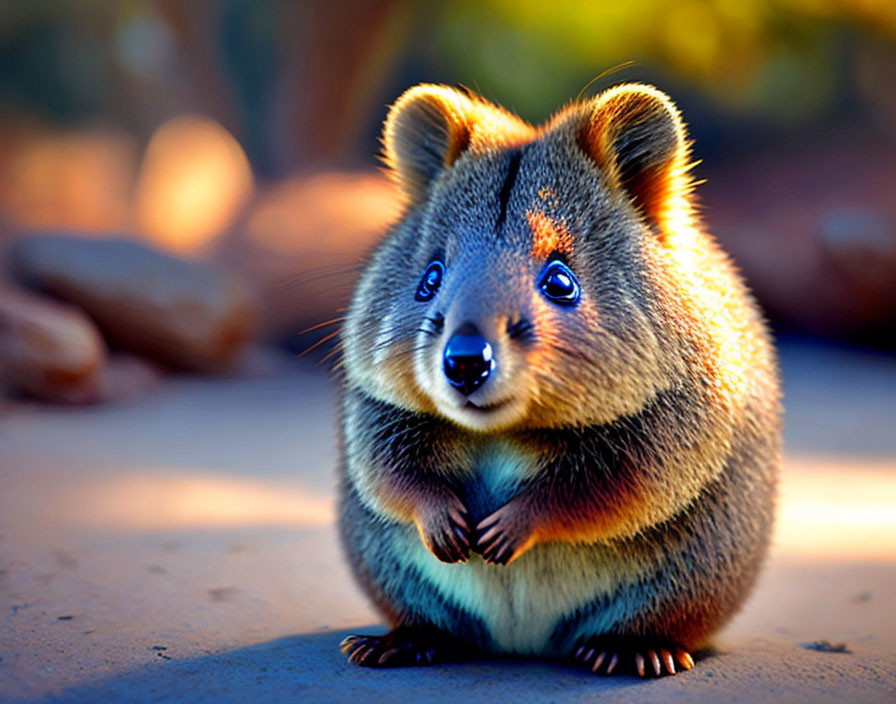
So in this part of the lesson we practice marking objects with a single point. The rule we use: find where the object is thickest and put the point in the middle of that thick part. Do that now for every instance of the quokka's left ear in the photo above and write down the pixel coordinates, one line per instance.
(431, 126)
(426, 131)
(635, 135)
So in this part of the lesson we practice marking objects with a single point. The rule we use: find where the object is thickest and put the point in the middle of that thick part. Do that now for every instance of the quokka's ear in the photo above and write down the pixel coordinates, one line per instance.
(427, 129)
(635, 134)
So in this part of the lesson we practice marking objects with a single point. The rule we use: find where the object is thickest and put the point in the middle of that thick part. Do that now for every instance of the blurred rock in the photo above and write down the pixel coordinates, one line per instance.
(8, 234)
(303, 242)
(858, 250)
(183, 314)
(814, 231)
(125, 377)
(861, 245)
(48, 350)
(265, 361)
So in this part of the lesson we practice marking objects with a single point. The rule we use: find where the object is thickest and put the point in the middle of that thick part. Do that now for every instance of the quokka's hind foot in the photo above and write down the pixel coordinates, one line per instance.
(403, 647)
(605, 655)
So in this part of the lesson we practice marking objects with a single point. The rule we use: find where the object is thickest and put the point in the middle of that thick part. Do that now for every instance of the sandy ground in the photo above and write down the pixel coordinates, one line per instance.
(181, 548)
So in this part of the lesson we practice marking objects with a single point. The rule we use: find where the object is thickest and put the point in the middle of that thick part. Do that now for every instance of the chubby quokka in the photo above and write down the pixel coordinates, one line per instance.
(560, 419)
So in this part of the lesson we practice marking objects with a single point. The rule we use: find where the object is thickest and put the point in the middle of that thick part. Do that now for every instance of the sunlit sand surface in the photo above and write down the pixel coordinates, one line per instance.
(172, 544)
(146, 501)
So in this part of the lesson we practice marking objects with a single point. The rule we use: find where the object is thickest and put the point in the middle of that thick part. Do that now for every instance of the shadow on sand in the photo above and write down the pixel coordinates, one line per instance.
(310, 668)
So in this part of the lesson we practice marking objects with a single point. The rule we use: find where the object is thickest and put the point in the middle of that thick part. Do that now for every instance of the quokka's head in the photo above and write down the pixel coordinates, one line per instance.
(523, 286)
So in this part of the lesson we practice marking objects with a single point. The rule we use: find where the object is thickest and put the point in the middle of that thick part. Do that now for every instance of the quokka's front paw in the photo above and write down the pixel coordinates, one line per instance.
(505, 534)
(445, 530)
(604, 655)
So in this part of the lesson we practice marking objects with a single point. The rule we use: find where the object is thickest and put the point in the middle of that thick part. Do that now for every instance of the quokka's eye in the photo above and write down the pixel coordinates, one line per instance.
(559, 285)
(430, 281)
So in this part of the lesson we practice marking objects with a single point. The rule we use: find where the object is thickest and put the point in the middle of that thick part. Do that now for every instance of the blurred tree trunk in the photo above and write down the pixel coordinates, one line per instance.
(295, 81)
(193, 25)
(338, 55)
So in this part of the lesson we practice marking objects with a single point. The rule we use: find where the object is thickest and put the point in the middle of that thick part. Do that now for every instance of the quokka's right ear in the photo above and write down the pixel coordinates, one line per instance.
(427, 129)
(635, 134)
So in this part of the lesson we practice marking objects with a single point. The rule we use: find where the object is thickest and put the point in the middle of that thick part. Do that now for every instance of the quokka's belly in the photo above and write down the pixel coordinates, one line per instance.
(534, 605)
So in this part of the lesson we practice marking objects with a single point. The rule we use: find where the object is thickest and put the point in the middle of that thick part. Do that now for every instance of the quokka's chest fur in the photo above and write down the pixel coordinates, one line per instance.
(520, 607)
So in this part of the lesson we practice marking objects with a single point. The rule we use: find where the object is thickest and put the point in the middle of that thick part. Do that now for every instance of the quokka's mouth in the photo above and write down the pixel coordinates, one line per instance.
(485, 408)
(484, 417)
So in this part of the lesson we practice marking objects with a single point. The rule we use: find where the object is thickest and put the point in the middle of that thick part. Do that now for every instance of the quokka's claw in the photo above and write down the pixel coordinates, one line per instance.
(347, 643)
(613, 662)
(684, 658)
(646, 658)
(668, 661)
(655, 661)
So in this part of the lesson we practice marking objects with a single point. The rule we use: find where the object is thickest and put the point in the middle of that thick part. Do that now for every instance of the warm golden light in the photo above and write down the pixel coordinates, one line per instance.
(78, 180)
(148, 501)
(193, 182)
(829, 510)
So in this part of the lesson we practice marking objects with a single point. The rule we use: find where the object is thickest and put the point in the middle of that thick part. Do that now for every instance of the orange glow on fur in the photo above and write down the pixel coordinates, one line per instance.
(730, 348)
(548, 236)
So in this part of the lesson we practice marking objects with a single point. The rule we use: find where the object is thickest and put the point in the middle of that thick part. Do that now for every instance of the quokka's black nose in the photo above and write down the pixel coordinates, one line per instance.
(468, 359)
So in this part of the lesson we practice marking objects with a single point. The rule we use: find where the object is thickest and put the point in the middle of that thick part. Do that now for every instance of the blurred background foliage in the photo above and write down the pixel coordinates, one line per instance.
(302, 83)
(244, 134)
